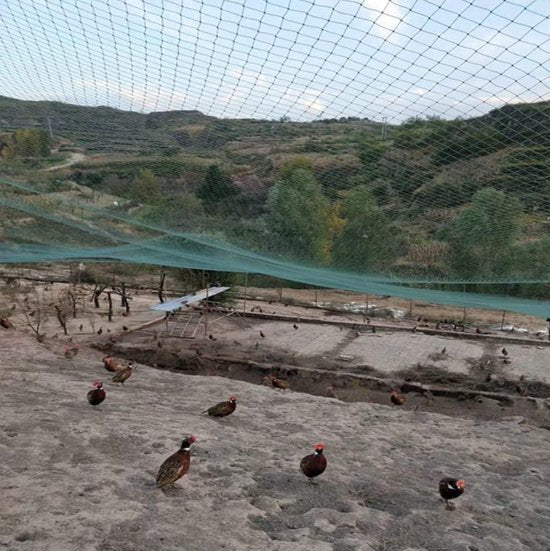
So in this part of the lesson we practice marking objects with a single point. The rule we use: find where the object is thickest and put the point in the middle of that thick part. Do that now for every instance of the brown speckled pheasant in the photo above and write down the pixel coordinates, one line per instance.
(277, 382)
(125, 374)
(176, 465)
(223, 408)
(396, 398)
(6, 323)
(112, 364)
(71, 352)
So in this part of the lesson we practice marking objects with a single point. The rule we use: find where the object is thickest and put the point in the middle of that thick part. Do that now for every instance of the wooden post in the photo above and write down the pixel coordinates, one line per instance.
(245, 290)
(161, 286)
(411, 309)
(502, 320)
(124, 299)
(366, 308)
(280, 294)
(95, 296)
(110, 313)
(316, 297)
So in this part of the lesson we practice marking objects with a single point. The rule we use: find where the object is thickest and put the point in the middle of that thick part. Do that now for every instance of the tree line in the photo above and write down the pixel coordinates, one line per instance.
(355, 231)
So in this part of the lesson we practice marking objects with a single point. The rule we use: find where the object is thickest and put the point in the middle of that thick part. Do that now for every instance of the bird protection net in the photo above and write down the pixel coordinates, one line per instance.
(395, 147)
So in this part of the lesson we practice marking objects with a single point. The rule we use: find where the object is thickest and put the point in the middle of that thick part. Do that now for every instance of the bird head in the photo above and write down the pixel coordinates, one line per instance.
(460, 484)
(98, 384)
(319, 448)
(233, 399)
(186, 444)
(394, 391)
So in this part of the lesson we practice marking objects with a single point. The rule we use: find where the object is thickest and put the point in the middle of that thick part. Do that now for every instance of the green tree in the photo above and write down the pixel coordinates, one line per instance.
(368, 242)
(532, 260)
(216, 189)
(298, 162)
(459, 140)
(298, 218)
(370, 151)
(146, 188)
(30, 142)
(183, 211)
(482, 236)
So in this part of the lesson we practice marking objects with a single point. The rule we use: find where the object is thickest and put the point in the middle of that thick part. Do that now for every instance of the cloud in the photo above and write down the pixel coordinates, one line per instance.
(151, 99)
(419, 91)
(385, 14)
(503, 99)
(313, 105)
(310, 100)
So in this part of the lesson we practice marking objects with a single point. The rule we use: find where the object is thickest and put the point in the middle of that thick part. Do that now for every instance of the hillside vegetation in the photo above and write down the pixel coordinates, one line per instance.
(432, 200)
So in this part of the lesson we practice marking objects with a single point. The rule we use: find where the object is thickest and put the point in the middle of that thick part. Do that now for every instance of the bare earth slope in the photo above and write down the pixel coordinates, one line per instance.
(78, 478)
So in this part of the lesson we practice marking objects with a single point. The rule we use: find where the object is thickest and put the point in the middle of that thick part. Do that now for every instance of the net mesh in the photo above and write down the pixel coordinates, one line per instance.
(392, 147)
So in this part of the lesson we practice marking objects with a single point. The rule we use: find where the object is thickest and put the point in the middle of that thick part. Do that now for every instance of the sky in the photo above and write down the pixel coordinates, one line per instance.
(267, 59)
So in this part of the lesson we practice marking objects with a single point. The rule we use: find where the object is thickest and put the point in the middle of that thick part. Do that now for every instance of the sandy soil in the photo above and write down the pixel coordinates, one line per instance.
(77, 478)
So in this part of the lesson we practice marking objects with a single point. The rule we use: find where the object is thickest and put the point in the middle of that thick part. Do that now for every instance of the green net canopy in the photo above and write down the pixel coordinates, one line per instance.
(390, 147)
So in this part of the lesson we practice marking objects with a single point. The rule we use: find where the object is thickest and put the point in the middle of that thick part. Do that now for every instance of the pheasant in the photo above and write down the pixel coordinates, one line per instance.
(176, 465)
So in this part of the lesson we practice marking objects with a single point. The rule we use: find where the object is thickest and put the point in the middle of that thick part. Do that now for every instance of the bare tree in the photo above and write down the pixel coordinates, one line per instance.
(97, 293)
(36, 313)
(61, 318)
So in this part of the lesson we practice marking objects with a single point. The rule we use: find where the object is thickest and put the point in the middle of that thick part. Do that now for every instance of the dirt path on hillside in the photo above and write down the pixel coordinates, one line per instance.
(74, 158)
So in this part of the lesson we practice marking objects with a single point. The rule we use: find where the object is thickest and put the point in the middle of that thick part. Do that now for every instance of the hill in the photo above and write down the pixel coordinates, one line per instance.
(108, 130)
(428, 200)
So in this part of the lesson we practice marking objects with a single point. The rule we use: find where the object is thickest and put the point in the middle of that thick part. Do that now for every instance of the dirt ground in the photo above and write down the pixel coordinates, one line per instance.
(387, 351)
(74, 477)
(410, 310)
(78, 478)
(348, 302)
